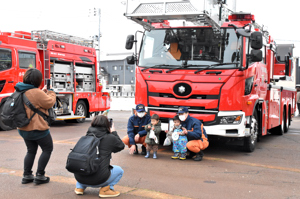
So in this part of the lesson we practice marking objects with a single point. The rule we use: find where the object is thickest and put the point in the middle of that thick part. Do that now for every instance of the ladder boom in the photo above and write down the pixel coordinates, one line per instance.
(206, 12)
(43, 36)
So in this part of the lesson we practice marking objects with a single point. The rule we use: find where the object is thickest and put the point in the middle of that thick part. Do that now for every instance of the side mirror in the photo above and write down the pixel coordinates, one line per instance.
(129, 42)
(256, 55)
(130, 60)
(256, 40)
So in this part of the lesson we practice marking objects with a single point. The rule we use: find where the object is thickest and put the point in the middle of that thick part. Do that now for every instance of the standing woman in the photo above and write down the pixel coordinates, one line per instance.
(107, 175)
(36, 133)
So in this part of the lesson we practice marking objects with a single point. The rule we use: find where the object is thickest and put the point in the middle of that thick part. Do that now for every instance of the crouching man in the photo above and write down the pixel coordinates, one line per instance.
(195, 132)
(136, 133)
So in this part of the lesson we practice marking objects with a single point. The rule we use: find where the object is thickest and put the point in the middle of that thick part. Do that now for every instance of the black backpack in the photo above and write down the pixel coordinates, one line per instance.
(13, 112)
(84, 158)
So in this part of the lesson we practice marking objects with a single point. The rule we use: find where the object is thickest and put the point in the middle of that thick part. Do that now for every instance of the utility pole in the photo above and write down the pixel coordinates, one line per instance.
(97, 12)
(93, 13)
(99, 35)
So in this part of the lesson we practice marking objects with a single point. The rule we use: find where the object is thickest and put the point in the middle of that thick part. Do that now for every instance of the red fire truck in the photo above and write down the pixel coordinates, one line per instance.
(222, 65)
(69, 62)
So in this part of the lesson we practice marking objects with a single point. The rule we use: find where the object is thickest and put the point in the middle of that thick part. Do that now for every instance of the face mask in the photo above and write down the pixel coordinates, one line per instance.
(141, 114)
(182, 117)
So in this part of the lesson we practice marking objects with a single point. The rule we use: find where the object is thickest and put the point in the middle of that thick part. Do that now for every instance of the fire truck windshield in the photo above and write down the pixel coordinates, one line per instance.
(5, 59)
(193, 47)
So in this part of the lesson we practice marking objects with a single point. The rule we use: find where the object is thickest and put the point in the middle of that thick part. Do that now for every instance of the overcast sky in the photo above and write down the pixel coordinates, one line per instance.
(75, 18)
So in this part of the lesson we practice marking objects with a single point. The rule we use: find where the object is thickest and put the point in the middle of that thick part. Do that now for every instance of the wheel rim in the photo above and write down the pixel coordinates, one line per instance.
(254, 130)
(80, 110)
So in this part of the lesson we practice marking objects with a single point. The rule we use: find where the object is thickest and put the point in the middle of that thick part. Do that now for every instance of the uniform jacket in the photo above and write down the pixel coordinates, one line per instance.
(40, 100)
(157, 130)
(110, 143)
(195, 129)
(137, 125)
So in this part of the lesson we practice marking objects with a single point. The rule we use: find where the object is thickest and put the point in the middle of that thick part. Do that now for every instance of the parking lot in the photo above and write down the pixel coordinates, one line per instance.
(226, 171)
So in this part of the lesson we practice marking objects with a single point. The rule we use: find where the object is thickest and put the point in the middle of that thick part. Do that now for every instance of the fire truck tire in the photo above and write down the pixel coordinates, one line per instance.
(81, 110)
(250, 142)
(279, 130)
(3, 126)
(285, 122)
(290, 116)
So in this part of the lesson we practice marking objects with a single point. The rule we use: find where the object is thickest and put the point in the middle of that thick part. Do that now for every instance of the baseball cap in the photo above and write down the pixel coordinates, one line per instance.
(183, 109)
(140, 108)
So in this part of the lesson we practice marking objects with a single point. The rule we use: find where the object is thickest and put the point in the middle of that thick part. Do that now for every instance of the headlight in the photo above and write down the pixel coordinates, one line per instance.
(234, 119)
(248, 85)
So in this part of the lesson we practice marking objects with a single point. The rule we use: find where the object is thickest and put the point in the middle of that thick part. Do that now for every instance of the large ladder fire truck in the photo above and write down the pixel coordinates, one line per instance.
(219, 63)
(69, 62)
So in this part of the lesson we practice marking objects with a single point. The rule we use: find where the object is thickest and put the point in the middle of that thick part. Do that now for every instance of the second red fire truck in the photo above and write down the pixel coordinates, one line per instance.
(69, 62)
(222, 65)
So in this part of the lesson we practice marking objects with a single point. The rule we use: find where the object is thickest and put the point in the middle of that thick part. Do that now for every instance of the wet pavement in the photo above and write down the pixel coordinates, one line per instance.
(226, 171)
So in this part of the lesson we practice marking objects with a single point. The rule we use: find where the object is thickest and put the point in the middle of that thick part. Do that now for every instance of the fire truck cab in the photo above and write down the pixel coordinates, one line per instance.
(221, 64)
(69, 62)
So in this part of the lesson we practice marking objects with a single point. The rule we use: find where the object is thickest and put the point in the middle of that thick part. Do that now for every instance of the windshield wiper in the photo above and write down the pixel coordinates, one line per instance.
(213, 65)
(183, 67)
(156, 66)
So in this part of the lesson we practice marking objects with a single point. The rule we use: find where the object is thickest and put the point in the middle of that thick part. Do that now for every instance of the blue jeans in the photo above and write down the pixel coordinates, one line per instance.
(116, 174)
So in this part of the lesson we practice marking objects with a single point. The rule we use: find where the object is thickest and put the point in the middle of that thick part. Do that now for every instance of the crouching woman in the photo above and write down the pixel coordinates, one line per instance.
(106, 176)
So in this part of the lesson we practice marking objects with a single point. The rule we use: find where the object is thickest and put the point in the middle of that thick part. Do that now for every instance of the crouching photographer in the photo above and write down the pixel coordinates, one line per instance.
(106, 175)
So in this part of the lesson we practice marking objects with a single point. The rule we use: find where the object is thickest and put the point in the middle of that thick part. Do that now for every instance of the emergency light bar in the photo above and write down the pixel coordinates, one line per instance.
(241, 17)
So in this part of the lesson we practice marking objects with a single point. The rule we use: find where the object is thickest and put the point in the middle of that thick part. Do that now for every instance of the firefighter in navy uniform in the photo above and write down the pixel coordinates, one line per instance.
(196, 134)
(136, 130)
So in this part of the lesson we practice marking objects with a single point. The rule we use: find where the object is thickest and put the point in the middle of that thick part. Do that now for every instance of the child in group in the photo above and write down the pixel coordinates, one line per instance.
(152, 140)
(179, 140)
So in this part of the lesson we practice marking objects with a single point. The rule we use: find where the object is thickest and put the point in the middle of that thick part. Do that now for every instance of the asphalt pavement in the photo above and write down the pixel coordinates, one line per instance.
(226, 171)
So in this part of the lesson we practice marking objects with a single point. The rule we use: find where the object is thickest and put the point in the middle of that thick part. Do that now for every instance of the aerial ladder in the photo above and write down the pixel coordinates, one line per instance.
(201, 13)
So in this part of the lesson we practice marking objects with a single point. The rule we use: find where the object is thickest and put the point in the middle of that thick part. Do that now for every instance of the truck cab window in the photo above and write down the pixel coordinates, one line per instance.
(199, 47)
(5, 59)
(27, 60)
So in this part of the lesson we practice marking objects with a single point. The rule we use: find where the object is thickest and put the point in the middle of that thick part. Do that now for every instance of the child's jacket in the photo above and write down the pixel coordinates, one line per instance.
(157, 130)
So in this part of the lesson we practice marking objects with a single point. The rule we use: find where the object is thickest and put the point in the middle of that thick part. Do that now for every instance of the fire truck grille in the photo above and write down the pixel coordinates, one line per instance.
(167, 95)
(202, 99)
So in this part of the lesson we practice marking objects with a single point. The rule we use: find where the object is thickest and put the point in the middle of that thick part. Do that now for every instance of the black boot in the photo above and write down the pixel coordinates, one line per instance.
(136, 150)
(27, 179)
(143, 150)
(190, 155)
(41, 179)
(199, 156)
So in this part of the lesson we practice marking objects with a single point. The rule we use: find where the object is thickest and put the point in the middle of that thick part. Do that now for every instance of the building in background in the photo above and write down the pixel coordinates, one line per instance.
(118, 77)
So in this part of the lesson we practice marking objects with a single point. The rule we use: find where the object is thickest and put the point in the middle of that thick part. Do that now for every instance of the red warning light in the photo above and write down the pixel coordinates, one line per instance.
(241, 17)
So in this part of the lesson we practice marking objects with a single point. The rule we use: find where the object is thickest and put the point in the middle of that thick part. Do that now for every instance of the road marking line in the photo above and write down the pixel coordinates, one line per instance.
(123, 189)
(19, 138)
(163, 151)
(241, 163)
(67, 141)
(254, 164)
